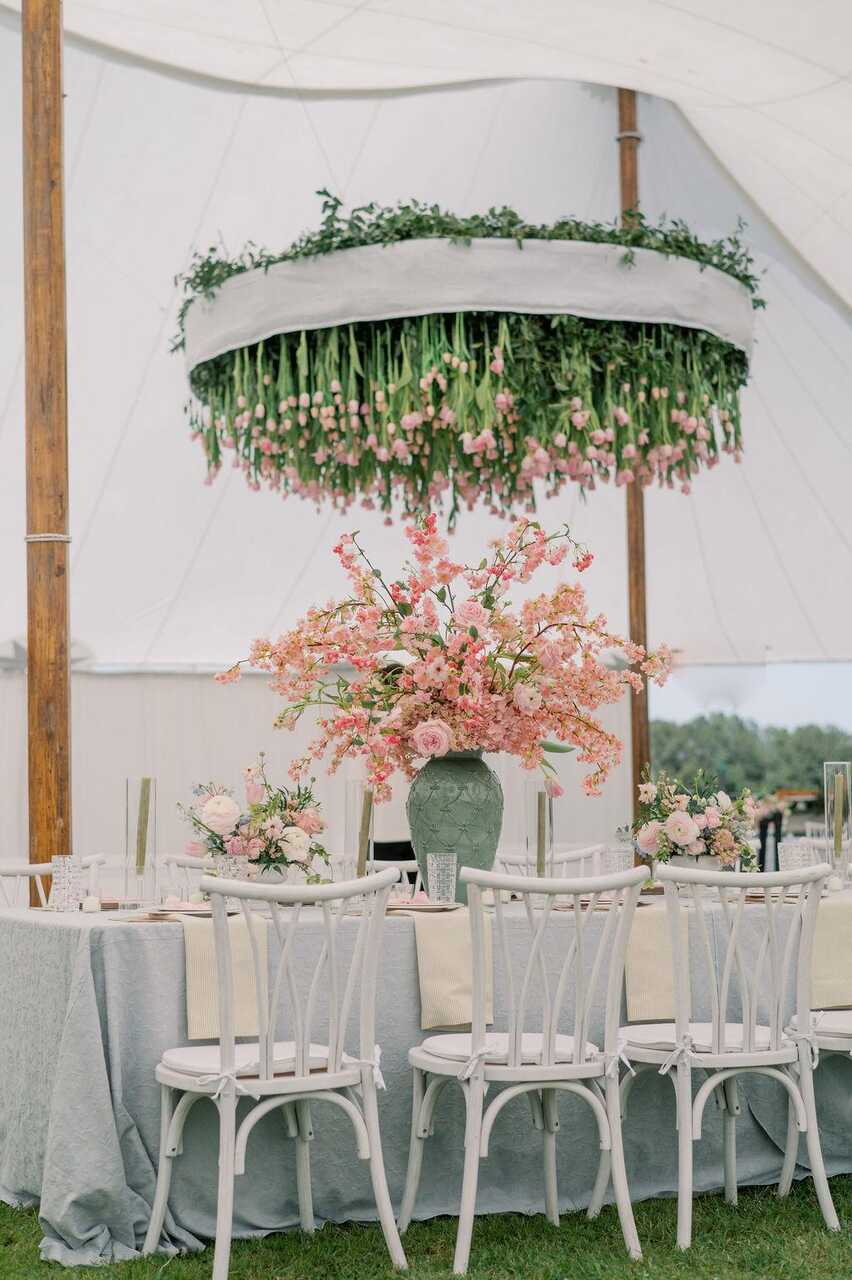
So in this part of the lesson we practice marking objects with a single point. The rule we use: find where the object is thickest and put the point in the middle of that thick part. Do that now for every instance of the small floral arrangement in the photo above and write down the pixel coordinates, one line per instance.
(701, 819)
(438, 661)
(276, 828)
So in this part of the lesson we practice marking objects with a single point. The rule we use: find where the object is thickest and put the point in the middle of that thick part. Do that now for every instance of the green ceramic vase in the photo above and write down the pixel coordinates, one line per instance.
(455, 805)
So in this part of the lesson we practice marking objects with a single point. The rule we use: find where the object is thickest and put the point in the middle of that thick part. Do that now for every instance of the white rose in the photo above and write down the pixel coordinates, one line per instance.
(220, 814)
(680, 828)
(723, 800)
(295, 842)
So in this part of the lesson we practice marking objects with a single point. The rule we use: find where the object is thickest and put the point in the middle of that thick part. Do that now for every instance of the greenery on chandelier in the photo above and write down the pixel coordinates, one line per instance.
(475, 406)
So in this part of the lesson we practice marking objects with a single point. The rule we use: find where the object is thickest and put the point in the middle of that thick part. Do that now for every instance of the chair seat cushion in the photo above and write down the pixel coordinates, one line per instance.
(662, 1036)
(829, 1022)
(205, 1060)
(457, 1047)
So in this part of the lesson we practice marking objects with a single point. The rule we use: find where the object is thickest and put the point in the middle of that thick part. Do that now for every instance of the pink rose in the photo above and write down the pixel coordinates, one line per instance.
(648, 835)
(196, 849)
(680, 828)
(310, 821)
(220, 813)
(527, 698)
(470, 613)
(431, 738)
(713, 816)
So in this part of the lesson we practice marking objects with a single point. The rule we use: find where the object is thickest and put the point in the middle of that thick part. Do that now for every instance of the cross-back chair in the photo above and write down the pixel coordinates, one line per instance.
(16, 877)
(407, 866)
(582, 861)
(760, 976)
(544, 1048)
(183, 872)
(310, 1066)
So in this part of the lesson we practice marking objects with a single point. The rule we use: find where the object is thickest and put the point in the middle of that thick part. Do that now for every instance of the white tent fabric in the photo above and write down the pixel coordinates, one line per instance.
(766, 83)
(167, 573)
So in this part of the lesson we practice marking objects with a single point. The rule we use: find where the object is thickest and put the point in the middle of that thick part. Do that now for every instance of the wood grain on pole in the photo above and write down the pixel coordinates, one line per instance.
(46, 432)
(640, 735)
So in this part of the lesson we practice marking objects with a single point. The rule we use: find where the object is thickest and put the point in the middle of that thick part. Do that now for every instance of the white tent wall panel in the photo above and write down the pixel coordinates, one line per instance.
(184, 728)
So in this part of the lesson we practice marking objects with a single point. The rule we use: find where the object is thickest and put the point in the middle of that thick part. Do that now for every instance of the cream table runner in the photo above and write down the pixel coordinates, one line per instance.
(202, 1009)
(445, 969)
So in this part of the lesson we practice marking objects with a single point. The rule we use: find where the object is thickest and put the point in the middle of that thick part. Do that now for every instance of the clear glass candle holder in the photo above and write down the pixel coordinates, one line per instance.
(140, 840)
(837, 781)
(441, 872)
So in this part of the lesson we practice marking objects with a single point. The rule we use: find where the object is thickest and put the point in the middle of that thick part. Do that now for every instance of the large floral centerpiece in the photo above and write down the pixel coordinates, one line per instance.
(275, 828)
(694, 821)
(435, 661)
(473, 404)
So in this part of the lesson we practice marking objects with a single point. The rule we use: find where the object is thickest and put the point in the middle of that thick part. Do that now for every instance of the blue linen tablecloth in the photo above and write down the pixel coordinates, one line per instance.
(88, 1004)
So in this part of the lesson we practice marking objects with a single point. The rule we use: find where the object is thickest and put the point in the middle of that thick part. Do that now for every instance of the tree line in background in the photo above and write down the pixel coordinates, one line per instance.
(743, 754)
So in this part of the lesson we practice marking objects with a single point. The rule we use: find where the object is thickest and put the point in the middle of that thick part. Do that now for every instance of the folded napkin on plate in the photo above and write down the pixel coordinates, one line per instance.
(202, 1009)
(649, 974)
(445, 966)
(831, 973)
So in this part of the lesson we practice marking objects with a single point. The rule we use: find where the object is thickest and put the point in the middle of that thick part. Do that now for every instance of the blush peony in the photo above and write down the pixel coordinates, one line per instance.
(310, 821)
(680, 828)
(648, 836)
(221, 814)
(431, 738)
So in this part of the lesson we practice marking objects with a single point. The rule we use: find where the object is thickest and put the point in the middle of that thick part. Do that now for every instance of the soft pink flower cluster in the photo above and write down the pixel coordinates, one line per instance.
(443, 663)
(675, 820)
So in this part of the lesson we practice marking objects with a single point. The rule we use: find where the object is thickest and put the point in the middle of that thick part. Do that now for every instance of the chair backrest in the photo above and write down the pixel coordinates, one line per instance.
(793, 854)
(582, 861)
(183, 872)
(757, 965)
(16, 877)
(337, 973)
(407, 866)
(542, 996)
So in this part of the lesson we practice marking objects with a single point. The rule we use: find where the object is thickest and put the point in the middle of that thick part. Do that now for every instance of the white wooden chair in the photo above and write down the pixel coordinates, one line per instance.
(182, 873)
(533, 1055)
(582, 861)
(16, 877)
(751, 993)
(407, 866)
(292, 1073)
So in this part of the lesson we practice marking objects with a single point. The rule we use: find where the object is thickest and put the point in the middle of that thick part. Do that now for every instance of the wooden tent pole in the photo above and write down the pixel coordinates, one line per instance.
(48, 684)
(640, 735)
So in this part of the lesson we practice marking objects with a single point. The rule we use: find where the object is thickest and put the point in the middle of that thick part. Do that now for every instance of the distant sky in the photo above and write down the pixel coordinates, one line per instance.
(786, 694)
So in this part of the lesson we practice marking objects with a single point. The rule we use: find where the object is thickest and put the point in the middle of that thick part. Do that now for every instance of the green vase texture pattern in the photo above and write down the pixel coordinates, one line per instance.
(455, 805)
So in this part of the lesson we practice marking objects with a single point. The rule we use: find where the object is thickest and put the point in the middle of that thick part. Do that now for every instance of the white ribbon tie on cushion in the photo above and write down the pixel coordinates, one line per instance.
(612, 1060)
(223, 1078)
(682, 1050)
(473, 1062)
(374, 1064)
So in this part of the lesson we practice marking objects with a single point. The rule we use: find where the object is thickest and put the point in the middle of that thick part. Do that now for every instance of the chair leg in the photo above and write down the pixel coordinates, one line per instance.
(684, 1155)
(227, 1105)
(729, 1124)
(474, 1098)
(620, 1185)
(791, 1152)
(377, 1173)
(605, 1162)
(551, 1125)
(806, 1085)
(415, 1151)
(164, 1175)
(304, 1137)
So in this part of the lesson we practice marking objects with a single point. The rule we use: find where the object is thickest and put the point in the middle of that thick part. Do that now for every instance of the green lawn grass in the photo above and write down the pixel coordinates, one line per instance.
(765, 1237)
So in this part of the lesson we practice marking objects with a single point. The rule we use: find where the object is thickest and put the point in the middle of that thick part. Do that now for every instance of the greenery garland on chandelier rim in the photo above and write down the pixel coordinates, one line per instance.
(474, 406)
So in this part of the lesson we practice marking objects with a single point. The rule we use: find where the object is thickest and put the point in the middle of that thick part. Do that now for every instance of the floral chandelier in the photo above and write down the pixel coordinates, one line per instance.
(407, 355)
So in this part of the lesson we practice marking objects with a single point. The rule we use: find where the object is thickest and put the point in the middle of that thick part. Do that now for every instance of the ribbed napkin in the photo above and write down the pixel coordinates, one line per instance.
(649, 974)
(445, 967)
(202, 1008)
(831, 974)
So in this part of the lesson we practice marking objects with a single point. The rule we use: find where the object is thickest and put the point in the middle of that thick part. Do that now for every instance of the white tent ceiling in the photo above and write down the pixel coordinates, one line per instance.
(766, 83)
(753, 566)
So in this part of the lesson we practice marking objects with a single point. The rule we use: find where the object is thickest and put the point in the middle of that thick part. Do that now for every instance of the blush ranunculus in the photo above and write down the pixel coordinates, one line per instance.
(647, 836)
(310, 821)
(221, 814)
(680, 828)
(527, 698)
(713, 816)
(470, 613)
(431, 738)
